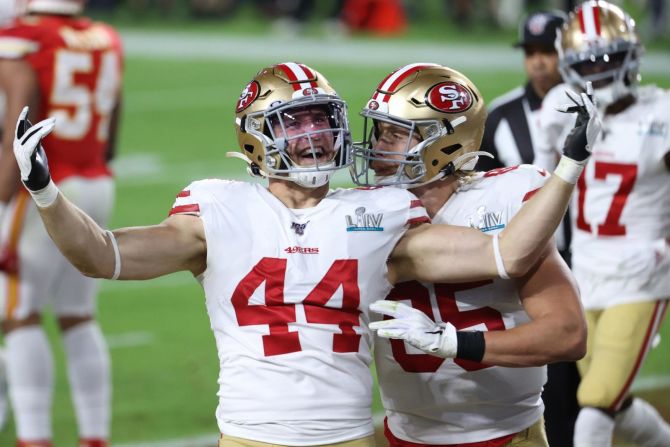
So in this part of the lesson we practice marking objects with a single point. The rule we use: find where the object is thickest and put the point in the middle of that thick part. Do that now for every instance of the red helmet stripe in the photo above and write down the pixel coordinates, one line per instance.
(298, 72)
(394, 79)
(596, 19)
(589, 20)
(310, 74)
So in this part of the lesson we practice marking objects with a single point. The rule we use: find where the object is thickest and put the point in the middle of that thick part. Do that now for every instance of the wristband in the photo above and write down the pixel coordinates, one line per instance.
(46, 196)
(569, 170)
(499, 262)
(117, 255)
(471, 345)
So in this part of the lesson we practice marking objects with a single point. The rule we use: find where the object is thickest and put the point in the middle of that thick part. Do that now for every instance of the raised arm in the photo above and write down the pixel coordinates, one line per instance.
(130, 253)
(443, 254)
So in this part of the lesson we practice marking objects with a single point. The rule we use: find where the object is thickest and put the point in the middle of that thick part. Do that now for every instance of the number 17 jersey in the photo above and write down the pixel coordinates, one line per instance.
(621, 210)
(287, 294)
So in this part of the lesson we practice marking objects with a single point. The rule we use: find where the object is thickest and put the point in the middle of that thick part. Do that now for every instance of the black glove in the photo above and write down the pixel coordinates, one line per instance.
(29, 153)
(579, 142)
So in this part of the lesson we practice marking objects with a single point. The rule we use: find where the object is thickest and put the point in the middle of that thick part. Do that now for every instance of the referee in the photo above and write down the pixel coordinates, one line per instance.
(510, 134)
(511, 128)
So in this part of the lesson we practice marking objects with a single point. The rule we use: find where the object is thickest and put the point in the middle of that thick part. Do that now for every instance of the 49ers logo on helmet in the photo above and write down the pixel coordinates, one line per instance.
(449, 97)
(248, 95)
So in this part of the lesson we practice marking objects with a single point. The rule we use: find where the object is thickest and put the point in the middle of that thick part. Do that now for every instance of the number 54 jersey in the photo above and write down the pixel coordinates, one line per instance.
(287, 293)
(78, 65)
(430, 400)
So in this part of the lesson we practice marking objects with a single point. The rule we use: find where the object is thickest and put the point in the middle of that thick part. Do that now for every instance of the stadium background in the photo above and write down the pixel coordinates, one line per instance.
(182, 79)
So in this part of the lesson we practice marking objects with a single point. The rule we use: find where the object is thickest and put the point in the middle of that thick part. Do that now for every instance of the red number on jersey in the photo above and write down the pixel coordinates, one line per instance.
(445, 294)
(500, 171)
(277, 314)
(343, 272)
(78, 106)
(602, 169)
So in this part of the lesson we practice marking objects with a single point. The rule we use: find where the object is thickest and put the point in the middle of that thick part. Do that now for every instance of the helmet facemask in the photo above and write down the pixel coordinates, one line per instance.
(305, 156)
(410, 168)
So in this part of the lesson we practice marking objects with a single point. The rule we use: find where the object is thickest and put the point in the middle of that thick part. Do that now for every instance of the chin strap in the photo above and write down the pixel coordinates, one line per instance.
(302, 176)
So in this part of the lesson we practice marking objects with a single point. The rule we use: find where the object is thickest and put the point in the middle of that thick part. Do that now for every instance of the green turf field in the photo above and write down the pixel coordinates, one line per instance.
(177, 126)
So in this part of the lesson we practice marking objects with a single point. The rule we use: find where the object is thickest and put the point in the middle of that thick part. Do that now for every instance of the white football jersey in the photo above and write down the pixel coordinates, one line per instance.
(621, 207)
(436, 401)
(554, 127)
(287, 293)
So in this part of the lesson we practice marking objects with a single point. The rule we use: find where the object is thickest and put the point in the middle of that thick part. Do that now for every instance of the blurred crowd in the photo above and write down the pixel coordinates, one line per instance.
(376, 16)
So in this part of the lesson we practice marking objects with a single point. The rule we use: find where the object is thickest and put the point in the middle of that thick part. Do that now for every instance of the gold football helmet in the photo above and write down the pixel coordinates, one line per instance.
(266, 126)
(599, 43)
(442, 111)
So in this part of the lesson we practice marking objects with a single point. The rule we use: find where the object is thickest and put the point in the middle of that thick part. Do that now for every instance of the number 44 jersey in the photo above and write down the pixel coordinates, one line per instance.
(430, 400)
(287, 294)
(77, 63)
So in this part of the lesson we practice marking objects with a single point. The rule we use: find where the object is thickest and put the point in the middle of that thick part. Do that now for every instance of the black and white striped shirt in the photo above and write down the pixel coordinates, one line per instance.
(511, 129)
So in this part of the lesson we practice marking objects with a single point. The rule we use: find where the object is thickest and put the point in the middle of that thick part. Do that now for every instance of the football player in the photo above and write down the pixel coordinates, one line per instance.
(289, 269)
(441, 396)
(67, 67)
(620, 220)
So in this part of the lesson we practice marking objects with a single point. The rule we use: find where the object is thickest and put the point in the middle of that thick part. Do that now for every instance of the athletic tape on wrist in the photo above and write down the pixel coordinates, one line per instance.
(569, 169)
(46, 196)
(117, 256)
(499, 262)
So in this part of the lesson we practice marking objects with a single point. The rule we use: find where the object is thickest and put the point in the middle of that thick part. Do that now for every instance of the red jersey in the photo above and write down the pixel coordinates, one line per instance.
(78, 64)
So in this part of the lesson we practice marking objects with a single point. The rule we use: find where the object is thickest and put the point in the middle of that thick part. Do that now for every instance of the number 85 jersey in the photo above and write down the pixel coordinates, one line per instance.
(287, 294)
(78, 64)
(434, 401)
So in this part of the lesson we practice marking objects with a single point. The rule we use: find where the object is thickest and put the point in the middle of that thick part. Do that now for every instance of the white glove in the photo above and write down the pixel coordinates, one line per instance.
(415, 328)
(29, 153)
(32, 159)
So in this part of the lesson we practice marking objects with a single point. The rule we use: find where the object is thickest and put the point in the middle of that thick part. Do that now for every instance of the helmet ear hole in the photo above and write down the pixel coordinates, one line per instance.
(451, 149)
(255, 169)
(249, 148)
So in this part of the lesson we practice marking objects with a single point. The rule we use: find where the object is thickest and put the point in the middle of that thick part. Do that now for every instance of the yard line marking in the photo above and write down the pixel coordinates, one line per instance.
(216, 47)
(649, 383)
(146, 168)
(129, 339)
(196, 441)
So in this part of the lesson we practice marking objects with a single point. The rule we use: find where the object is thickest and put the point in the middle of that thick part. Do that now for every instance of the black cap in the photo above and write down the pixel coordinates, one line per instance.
(540, 28)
